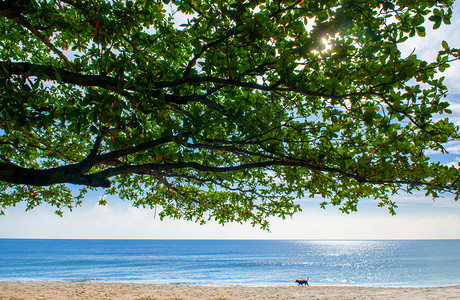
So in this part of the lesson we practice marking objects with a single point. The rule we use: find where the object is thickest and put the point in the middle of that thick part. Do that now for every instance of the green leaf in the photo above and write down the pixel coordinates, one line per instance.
(421, 31)
(445, 45)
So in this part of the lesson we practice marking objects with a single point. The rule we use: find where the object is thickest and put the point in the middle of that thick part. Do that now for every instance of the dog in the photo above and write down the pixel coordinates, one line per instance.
(302, 282)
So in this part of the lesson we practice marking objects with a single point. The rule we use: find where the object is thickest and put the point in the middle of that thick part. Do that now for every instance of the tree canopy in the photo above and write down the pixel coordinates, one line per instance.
(225, 110)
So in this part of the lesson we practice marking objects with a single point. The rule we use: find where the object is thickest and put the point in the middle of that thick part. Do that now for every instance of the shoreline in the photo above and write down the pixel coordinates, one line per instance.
(294, 284)
(123, 290)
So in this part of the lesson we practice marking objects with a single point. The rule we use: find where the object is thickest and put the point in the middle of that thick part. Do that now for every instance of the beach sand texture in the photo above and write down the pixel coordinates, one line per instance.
(67, 290)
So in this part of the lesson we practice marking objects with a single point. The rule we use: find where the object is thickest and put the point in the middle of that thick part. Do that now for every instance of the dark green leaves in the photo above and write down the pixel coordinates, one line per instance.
(230, 116)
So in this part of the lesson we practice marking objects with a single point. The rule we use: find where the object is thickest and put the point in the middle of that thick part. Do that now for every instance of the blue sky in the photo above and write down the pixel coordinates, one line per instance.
(418, 217)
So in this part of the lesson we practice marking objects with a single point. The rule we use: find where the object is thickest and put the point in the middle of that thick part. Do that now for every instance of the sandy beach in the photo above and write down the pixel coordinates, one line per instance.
(65, 290)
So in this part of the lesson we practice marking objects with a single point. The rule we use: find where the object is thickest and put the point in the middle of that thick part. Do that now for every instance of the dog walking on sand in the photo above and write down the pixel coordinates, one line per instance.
(302, 282)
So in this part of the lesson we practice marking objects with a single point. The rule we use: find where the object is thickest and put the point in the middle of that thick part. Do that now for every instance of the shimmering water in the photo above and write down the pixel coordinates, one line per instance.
(233, 262)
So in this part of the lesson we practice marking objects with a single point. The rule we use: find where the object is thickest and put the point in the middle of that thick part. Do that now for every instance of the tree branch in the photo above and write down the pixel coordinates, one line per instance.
(147, 168)
(20, 21)
(105, 82)
(101, 159)
(20, 68)
(73, 173)
(274, 88)
(88, 162)
(113, 84)
(66, 174)
(193, 61)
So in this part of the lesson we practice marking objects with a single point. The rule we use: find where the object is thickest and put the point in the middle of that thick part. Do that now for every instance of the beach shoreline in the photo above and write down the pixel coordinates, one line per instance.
(114, 290)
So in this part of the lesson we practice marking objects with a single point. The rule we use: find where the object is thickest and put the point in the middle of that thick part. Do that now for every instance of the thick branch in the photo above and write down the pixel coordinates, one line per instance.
(101, 159)
(88, 162)
(73, 173)
(21, 68)
(66, 174)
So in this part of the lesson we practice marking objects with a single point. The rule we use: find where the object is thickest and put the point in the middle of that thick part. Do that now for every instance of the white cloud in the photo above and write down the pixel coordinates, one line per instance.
(453, 147)
(125, 222)
(357, 226)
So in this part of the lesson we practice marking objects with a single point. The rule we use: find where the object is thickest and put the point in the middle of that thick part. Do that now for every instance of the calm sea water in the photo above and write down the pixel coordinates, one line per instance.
(233, 262)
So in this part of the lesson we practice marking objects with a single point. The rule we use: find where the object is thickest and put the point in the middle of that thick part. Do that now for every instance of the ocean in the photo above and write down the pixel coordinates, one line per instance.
(398, 263)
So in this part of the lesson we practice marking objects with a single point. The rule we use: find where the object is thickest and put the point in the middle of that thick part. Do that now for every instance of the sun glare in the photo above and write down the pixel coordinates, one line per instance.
(327, 44)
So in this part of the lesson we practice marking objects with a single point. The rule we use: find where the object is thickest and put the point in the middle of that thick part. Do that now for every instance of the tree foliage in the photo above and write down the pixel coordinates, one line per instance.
(230, 114)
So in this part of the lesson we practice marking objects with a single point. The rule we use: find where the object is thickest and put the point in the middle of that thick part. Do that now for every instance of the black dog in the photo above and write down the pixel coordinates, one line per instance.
(302, 282)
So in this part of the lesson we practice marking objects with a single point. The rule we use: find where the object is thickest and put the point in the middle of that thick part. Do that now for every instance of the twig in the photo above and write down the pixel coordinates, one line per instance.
(42, 38)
